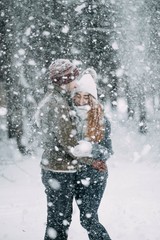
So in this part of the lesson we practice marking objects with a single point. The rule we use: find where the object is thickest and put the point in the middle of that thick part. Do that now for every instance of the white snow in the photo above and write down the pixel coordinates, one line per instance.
(43, 70)
(140, 48)
(85, 182)
(31, 62)
(2, 14)
(28, 31)
(119, 72)
(54, 184)
(115, 46)
(46, 33)
(79, 8)
(31, 18)
(129, 210)
(65, 29)
(21, 51)
(3, 111)
(52, 233)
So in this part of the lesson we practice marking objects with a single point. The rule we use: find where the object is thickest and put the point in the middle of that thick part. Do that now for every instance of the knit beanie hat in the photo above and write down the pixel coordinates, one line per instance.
(87, 83)
(62, 71)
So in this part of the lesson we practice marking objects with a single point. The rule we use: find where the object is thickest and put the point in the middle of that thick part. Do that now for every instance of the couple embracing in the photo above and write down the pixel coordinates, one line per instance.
(76, 142)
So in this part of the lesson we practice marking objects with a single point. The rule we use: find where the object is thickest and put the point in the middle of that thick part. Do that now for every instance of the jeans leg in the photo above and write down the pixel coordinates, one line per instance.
(89, 191)
(60, 192)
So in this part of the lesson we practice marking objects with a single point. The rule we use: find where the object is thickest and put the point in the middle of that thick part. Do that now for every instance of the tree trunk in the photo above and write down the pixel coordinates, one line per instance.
(130, 100)
(142, 112)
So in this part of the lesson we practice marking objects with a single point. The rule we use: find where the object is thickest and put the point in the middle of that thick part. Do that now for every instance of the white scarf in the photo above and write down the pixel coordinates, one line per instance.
(82, 111)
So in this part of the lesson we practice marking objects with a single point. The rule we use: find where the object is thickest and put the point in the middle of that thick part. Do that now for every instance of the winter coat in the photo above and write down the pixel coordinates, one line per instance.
(101, 150)
(57, 131)
(56, 125)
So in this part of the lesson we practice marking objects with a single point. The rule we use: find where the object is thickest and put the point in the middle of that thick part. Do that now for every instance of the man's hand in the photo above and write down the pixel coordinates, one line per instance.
(99, 165)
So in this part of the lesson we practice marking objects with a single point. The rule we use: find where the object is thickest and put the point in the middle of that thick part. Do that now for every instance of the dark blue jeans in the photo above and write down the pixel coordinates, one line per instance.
(87, 186)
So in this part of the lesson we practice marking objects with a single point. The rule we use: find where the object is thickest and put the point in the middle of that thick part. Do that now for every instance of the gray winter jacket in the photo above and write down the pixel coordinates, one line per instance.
(57, 131)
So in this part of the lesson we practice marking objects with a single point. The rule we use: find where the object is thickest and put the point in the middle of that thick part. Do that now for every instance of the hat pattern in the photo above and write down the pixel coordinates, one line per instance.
(63, 71)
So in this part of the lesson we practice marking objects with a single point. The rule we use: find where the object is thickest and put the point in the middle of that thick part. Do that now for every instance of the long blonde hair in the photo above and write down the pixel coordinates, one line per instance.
(95, 121)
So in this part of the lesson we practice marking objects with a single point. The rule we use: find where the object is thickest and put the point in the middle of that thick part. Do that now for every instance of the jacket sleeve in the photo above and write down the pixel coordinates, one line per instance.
(61, 127)
(103, 150)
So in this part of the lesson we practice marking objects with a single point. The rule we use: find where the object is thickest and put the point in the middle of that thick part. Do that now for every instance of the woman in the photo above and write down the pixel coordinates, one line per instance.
(94, 132)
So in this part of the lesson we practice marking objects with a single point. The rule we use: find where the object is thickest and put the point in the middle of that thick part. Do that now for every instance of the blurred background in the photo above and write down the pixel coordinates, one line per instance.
(120, 39)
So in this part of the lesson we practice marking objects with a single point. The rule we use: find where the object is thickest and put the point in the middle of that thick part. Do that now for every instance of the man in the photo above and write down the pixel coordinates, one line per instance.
(58, 131)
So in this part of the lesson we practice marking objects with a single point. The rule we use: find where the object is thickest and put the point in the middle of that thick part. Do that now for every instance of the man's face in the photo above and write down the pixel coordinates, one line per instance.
(71, 86)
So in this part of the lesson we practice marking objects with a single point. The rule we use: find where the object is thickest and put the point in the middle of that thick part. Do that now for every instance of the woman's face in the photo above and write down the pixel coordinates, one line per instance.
(81, 99)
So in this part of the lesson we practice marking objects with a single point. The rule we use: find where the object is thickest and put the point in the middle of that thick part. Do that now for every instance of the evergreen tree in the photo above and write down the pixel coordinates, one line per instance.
(93, 39)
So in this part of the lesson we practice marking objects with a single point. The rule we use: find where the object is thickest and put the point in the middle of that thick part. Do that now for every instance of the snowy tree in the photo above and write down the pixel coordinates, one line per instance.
(14, 108)
(33, 35)
(154, 51)
(93, 40)
(133, 52)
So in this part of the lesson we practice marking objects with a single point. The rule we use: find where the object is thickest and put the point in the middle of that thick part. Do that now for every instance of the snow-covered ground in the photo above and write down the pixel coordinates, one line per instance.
(130, 209)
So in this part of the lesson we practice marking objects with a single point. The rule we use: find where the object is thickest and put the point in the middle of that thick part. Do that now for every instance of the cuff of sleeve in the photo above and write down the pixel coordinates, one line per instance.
(86, 160)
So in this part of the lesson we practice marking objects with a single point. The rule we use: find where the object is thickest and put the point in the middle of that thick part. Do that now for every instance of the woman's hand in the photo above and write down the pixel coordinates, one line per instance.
(99, 165)
(83, 149)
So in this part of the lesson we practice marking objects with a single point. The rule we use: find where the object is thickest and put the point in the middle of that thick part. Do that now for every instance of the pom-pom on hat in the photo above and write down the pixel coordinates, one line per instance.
(63, 71)
(90, 71)
(87, 82)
